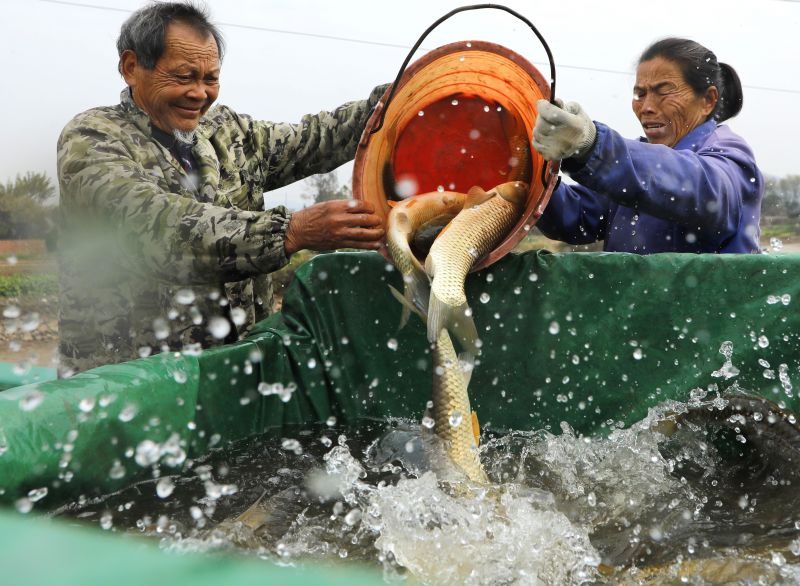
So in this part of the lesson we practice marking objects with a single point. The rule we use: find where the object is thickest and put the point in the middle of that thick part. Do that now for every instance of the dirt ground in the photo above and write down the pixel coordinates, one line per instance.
(40, 343)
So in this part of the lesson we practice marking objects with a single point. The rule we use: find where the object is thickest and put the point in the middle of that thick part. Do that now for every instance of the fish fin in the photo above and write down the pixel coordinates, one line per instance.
(467, 362)
(437, 316)
(256, 514)
(476, 429)
(476, 196)
(458, 322)
(408, 306)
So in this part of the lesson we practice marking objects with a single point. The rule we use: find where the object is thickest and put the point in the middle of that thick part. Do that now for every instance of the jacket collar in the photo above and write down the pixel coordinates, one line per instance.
(140, 118)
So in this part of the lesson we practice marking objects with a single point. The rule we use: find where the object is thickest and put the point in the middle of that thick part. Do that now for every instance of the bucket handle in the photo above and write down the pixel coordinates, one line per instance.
(440, 21)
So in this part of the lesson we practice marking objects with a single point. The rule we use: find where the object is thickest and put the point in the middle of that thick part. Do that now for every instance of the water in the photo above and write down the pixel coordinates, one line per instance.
(676, 497)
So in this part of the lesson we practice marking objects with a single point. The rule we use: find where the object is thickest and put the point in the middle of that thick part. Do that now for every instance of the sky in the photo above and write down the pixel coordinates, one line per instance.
(287, 58)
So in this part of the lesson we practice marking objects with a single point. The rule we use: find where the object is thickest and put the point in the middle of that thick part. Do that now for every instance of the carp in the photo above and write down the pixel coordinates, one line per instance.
(485, 220)
(407, 219)
(449, 410)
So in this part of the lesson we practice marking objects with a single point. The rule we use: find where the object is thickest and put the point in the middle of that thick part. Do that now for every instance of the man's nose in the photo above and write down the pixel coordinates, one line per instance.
(198, 91)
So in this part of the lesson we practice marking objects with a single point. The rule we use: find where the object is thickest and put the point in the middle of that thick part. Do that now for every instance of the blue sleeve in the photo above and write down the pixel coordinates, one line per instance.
(704, 187)
(575, 215)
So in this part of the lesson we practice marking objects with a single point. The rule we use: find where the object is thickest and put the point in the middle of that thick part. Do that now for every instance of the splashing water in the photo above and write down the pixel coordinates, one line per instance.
(560, 508)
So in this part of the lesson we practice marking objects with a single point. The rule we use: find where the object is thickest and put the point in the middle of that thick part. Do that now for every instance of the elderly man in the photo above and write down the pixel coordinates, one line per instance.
(166, 243)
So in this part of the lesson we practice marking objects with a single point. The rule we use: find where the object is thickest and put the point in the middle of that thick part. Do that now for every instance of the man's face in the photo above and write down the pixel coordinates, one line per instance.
(182, 85)
(666, 106)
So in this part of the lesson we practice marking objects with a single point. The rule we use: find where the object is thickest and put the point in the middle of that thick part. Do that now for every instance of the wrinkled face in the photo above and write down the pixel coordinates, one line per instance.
(182, 85)
(666, 106)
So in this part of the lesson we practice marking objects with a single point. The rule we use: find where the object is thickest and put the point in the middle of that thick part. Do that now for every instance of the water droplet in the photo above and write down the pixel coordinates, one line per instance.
(30, 322)
(554, 327)
(179, 376)
(164, 487)
(106, 521)
(31, 400)
(591, 499)
(147, 453)
(455, 419)
(292, 445)
(484, 298)
(184, 297)
(37, 494)
(117, 470)
(353, 517)
(763, 341)
(312, 363)
(160, 328)
(11, 312)
(637, 354)
(330, 421)
(219, 327)
(238, 316)
(428, 422)
(86, 404)
(392, 344)
(128, 412)
(533, 277)
(24, 505)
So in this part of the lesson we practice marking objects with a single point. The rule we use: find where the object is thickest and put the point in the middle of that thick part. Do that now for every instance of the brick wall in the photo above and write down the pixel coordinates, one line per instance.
(22, 247)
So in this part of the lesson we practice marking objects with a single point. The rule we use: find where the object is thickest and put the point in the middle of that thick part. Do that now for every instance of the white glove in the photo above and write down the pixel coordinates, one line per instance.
(563, 131)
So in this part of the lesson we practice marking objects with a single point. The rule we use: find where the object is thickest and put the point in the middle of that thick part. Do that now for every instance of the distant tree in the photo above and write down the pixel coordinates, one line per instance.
(26, 207)
(781, 197)
(325, 187)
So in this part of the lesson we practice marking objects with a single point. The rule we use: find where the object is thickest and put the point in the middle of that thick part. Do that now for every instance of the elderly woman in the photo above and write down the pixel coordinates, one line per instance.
(691, 185)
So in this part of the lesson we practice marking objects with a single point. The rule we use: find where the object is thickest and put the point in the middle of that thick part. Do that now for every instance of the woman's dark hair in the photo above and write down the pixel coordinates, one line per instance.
(145, 30)
(701, 70)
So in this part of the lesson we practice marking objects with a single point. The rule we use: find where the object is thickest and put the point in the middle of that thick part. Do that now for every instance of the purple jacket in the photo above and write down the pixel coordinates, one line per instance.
(704, 195)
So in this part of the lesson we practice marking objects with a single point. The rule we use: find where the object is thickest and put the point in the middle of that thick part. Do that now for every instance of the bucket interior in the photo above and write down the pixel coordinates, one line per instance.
(461, 116)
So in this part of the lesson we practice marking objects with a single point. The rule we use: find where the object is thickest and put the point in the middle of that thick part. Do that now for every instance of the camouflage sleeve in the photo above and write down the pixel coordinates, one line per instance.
(318, 144)
(165, 235)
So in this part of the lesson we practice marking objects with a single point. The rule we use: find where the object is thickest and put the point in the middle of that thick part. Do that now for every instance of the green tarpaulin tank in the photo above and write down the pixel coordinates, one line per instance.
(590, 339)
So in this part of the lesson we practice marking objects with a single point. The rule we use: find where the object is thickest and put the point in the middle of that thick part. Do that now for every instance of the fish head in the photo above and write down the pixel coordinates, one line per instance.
(515, 192)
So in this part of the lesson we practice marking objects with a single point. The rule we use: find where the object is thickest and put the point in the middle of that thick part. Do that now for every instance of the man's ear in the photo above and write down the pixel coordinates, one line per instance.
(127, 66)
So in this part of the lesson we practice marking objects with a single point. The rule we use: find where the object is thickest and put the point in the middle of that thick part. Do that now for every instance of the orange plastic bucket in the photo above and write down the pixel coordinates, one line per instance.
(461, 115)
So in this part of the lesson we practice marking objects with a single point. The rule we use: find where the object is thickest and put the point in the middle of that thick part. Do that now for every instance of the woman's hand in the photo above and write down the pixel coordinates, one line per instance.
(563, 131)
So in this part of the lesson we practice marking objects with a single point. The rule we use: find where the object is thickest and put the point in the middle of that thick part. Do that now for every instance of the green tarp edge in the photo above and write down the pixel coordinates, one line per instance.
(39, 552)
(16, 374)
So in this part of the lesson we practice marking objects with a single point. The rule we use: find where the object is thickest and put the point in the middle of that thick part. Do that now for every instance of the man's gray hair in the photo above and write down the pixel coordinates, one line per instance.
(144, 31)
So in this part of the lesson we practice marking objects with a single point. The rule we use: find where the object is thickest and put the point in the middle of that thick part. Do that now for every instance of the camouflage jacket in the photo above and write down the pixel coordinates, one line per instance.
(153, 259)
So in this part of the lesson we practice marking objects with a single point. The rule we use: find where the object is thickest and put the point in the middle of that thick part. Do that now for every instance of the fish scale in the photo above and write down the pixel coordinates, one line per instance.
(451, 401)
(485, 220)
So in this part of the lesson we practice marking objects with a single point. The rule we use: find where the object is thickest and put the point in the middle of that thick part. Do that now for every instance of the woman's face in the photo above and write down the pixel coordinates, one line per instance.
(666, 106)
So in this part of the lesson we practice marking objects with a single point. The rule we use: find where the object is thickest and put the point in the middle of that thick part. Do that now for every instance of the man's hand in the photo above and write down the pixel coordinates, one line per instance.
(563, 131)
(341, 223)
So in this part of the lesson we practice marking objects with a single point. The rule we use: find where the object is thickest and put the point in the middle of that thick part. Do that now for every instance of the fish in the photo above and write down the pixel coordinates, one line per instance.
(474, 232)
(454, 421)
(415, 215)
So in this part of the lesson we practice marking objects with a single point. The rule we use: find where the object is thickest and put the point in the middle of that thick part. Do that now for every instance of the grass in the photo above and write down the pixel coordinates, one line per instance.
(23, 284)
